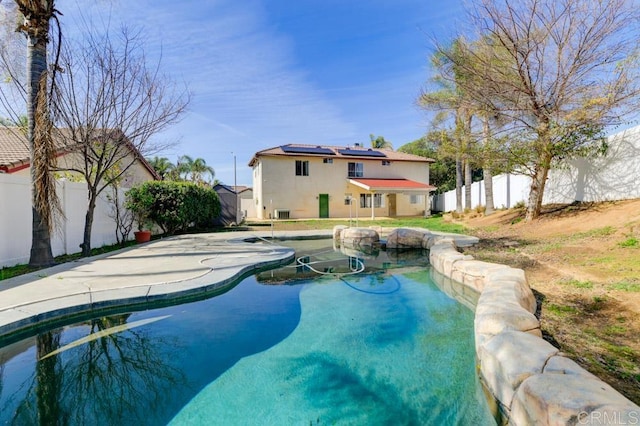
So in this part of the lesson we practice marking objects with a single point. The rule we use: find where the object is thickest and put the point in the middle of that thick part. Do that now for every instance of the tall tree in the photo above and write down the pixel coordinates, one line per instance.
(448, 99)
(109, 104)
(37, 14)
(561, 71)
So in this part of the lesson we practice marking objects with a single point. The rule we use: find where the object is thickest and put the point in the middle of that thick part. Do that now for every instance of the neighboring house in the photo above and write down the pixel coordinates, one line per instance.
(15, 191)
(236, 204)
(310, 181)
(247, 205)
(14, 158)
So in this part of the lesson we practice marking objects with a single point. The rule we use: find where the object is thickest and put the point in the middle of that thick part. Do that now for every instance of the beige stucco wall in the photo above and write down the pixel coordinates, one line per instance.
(136, 173)
(276, 186)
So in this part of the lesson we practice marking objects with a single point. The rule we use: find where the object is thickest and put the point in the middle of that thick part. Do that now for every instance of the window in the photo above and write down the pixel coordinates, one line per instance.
(365, 200)
(302, 168)
(356, 170)
(327, 160)
(416, 199)
(386, 162)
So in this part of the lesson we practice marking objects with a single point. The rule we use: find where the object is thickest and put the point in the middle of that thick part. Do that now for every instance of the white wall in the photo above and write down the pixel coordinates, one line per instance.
(15, 220)
(614, 176)
(508, 190)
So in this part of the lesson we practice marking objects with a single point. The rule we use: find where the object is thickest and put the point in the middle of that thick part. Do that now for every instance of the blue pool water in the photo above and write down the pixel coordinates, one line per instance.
(377, 349)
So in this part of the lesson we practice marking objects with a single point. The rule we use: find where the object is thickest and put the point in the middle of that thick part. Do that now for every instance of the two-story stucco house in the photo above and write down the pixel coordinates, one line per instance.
(308, 181)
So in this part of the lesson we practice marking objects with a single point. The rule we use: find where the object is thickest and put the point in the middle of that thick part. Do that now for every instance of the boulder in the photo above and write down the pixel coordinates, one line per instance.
(509, 358)
(570, 399)
(406, 238)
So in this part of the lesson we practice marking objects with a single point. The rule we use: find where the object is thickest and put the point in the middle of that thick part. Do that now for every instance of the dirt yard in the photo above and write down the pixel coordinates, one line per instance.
(583, 263)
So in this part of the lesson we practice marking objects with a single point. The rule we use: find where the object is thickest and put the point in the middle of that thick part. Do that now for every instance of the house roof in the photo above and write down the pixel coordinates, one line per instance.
(14, 150)
(348, 152)
(233, 189)
(15, 154)
(392, 185)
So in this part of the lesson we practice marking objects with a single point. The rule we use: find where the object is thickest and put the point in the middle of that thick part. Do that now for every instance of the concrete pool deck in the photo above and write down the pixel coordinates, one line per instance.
(164, 269)
(159, 270)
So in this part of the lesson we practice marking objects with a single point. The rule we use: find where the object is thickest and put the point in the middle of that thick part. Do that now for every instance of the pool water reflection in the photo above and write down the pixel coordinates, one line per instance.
(379, 348)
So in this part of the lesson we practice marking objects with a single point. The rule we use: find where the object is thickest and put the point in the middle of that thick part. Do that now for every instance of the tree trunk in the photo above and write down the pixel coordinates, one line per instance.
(536, 193)
(487, 172)
(88, 224)
(41, 254)
(467, 184)
(488, 190)
(459, 207)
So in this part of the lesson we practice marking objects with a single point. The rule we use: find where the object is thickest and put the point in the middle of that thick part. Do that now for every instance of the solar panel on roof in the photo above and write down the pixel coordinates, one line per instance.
(362, 152)
(307, 150)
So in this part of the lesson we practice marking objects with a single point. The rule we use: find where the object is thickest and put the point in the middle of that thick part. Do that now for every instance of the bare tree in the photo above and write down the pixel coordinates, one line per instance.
(108, 104)
(561, 71)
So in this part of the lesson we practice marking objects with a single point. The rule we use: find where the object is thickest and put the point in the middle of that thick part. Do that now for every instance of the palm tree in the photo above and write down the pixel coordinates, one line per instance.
(200, 169)
(379, 142)
(183, 167)
(163, 166)
(195, 170)
(37, 14)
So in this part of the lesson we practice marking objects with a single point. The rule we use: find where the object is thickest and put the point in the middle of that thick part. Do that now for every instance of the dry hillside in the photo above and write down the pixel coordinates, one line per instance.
(583, 263)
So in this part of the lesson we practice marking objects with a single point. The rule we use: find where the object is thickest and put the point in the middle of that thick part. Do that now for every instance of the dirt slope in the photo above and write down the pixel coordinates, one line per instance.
(583, 263)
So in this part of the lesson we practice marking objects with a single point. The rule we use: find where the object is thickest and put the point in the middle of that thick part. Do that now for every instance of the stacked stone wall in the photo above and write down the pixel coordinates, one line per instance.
(532, 381)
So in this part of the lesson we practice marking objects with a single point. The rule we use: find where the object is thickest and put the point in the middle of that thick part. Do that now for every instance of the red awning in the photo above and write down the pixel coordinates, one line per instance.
(392, 185)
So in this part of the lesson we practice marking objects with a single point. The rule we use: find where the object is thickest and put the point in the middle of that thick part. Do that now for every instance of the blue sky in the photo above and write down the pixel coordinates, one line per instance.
(271, 72)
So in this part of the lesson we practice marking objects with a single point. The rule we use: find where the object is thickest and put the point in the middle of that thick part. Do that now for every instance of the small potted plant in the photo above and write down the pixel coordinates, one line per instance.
(139, 203)
(143, 234)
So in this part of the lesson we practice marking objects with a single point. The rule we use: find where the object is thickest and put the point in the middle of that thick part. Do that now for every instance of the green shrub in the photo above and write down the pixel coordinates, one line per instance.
(174, 206)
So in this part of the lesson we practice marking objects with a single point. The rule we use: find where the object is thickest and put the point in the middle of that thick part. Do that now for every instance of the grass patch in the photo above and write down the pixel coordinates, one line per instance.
(578, 284)
(615, 329)
(562, 310)
(14, 271)
(629, 243)
(433, 223)
(596, 233)
(626, 286)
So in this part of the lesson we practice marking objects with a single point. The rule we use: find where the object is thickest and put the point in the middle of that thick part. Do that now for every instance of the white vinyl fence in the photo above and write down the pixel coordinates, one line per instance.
(15, 220)
(615, 176)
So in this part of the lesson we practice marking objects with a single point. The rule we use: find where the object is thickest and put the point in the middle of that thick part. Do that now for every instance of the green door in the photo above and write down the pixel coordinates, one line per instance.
(324, 205)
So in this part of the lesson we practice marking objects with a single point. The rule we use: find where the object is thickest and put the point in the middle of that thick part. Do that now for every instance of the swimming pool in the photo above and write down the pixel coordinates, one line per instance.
(283, 347)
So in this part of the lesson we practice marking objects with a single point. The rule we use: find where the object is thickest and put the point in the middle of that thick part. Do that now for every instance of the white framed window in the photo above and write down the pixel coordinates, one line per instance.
(386, 162)
(302, 168)
(356, 170)
(365, 200)
(415, 199)
(327, 160)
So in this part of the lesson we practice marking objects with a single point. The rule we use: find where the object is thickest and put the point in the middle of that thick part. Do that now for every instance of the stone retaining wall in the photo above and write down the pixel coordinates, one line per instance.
(531, 380)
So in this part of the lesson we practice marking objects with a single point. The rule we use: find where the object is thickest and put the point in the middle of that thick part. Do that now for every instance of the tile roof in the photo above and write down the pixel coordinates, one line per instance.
(391, 184)
(14, 150)
(307, 151)
(15, 154)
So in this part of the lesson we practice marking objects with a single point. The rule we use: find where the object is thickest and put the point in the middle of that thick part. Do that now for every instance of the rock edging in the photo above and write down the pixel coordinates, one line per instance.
(531, 380)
